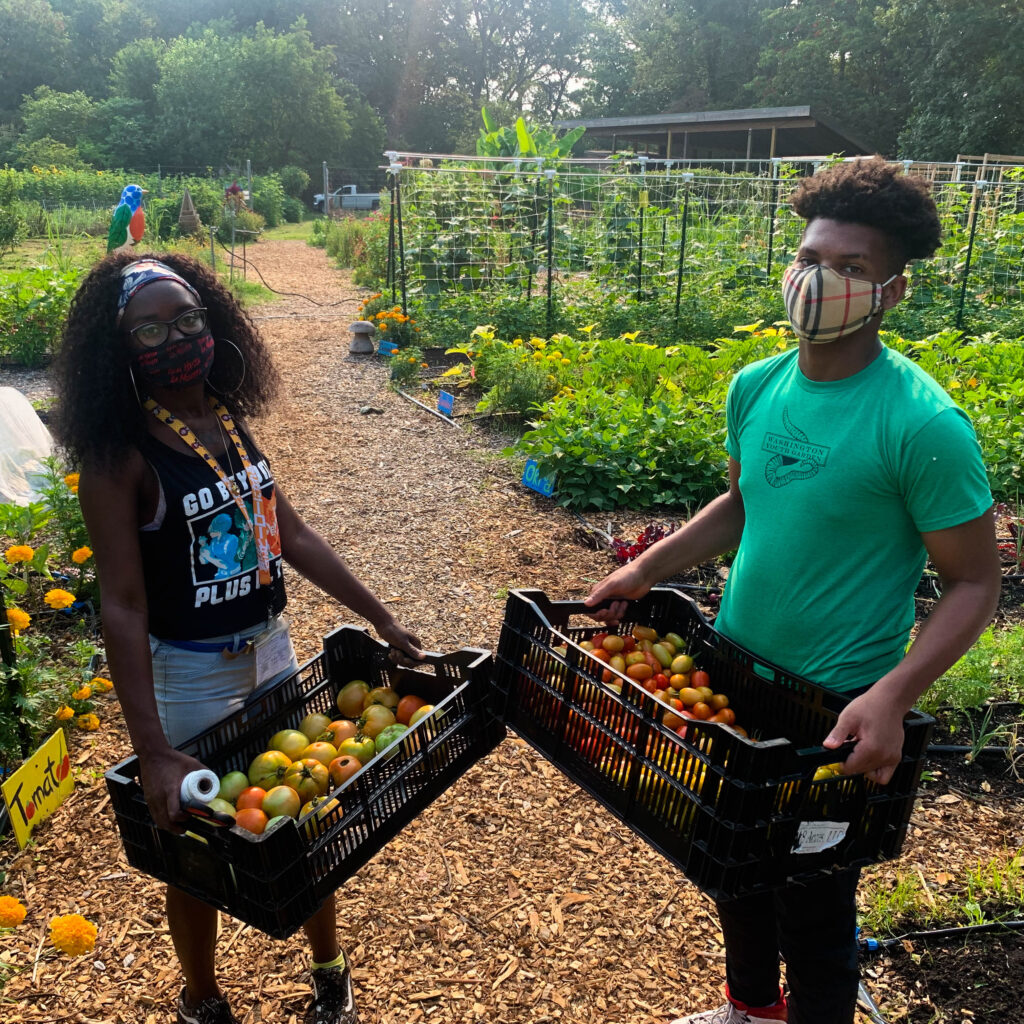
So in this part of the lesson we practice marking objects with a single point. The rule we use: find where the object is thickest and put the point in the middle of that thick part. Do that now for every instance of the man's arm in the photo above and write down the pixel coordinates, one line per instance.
(967, 560)
(717, 528)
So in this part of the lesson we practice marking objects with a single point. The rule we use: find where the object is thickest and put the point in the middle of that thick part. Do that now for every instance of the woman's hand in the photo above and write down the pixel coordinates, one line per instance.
(398, 636)
(162, 772)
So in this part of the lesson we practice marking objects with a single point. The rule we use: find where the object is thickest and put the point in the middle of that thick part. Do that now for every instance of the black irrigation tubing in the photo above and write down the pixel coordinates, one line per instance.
(880, 945)
(263, 280)
(947, 748)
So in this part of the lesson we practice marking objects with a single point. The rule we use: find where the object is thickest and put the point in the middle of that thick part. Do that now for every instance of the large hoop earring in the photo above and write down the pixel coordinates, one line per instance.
(131, 375)
(241, 359)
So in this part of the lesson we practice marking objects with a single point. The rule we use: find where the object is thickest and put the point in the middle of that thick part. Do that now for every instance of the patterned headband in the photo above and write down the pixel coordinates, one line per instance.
(142, 272)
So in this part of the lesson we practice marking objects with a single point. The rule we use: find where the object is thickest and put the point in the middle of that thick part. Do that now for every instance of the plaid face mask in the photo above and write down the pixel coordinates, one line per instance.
(823, 306)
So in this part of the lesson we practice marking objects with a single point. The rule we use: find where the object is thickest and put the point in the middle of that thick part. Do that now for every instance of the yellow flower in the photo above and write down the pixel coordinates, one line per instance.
(566, 362)
(18, 619)
(100, 685)
(71, 480)
(82, 554)
(58, 598)
(82, 693)
(19, 553)
(63, 713)
(955, 385)
(12, 912)
(72, 934)
(89, 722)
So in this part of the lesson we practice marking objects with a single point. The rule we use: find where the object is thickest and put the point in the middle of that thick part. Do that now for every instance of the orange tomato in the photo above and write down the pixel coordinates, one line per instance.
(251, 796)
(725, 715)
(640, 671)
(601, 654)
(339, 730)
(321, 751)
(701, 710)
(678, 680)
(706, 692)
(252, 819)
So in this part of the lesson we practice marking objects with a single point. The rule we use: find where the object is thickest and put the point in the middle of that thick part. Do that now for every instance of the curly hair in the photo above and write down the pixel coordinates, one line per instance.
(98, 418)
(876, 194)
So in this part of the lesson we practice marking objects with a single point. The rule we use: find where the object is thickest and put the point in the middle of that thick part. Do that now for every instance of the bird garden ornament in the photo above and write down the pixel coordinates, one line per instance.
(128, 224)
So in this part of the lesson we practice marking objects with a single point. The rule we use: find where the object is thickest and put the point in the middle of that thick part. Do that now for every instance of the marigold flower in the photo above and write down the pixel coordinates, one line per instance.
(19, 553)
(82, 693)
(12, 912)
(101, 685)
(71, 480)
(18, 619)
(58, 598)
(89, 722)
(73, 934)
(82, 554)
(63, 713)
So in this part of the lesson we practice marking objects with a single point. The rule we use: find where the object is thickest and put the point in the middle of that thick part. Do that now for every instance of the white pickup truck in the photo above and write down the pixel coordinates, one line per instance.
(347, 198)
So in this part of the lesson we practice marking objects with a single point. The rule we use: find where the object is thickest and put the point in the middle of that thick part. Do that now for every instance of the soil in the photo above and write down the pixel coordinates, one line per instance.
(514, 898)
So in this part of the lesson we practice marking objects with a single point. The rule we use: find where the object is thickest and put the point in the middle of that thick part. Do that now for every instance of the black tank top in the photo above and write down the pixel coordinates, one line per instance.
(198, 554)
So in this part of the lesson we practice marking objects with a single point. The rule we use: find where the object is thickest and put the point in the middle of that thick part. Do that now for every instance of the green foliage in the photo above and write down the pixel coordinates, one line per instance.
(360, 242)
(993, 669)
(293, 210)
(294, 181)
(268, 198)
(405, 367)
(243, 220)
(33, 305)
(525, 140)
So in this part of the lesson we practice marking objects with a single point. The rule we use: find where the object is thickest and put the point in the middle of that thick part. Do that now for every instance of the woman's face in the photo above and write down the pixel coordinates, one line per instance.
(161, 301)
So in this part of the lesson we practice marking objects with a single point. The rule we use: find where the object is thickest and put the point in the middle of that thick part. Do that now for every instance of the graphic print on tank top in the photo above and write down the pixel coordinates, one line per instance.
(222, 545)
(794, 457)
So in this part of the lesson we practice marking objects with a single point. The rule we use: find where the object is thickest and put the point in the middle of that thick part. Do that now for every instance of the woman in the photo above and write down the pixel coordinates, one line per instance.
(158, 371)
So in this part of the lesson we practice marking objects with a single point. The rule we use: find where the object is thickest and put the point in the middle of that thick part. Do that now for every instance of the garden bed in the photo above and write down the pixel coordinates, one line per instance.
(514, 899)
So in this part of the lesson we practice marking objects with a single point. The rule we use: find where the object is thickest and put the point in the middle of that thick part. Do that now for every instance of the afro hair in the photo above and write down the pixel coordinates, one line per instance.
(874, 193)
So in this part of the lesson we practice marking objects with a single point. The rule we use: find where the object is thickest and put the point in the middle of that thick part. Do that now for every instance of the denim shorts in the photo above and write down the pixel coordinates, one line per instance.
(196, 689)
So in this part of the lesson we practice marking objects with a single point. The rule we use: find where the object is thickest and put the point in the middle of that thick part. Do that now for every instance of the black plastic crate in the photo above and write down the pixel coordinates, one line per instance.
(277, 880)
(737, 816)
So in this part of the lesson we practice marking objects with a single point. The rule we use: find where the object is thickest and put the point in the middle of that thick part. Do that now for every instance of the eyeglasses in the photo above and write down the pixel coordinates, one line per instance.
(192, 321)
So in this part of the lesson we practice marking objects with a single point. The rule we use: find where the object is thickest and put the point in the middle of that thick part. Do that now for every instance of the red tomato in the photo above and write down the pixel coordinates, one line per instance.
(252, 819)
(406, 706)
(662, 680)
(251, 796)
(629, 645)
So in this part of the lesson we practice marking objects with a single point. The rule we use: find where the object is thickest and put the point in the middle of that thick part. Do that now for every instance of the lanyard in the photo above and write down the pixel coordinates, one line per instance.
(261, 531)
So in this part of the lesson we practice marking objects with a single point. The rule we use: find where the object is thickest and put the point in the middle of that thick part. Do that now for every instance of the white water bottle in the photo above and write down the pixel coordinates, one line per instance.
(202, 786)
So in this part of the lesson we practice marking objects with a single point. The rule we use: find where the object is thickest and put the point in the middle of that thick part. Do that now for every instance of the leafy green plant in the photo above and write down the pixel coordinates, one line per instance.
(405, 367)
(992, 669)
(33, 305)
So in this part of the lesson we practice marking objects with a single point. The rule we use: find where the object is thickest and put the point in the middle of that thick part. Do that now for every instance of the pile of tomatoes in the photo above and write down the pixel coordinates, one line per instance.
(294, 776)
(660, 664)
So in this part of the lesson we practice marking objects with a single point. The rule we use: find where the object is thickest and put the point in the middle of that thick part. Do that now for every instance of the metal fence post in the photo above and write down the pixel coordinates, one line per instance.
(771, 216)
(978, 187)
(550, 175)
(687, 178)
(640, 237)
(396, 170)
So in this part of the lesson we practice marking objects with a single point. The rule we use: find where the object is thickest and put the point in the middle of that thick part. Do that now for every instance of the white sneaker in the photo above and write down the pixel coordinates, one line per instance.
(728, 1014)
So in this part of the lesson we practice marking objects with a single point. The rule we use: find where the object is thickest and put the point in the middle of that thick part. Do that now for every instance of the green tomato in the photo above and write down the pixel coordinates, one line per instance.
(388, 736)
(360, 747)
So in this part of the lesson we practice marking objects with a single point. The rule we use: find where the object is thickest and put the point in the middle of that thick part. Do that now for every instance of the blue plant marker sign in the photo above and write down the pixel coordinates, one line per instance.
(541, 484)
(386, 348)
(446, 403)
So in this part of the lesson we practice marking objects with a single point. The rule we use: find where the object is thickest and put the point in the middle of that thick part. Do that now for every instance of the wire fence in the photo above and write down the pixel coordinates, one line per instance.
(652, 229)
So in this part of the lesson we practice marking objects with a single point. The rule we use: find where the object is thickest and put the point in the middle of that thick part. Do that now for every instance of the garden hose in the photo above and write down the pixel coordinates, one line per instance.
(871, 945)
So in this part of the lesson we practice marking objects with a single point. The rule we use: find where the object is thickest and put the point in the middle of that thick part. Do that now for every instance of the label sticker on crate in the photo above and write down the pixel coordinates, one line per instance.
(815, 836)
(541, 484)
(445, 403)
(386, 348)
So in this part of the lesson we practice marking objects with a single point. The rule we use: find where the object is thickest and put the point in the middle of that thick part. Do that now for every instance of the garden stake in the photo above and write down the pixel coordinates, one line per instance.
(391, 277)
(551, 241)
(401, 242)
(682, 245)
(978, 186)
(771, 222)
(640, 238)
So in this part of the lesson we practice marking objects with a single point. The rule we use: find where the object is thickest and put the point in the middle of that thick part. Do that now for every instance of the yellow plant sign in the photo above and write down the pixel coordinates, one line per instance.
(645, 198)
(39, 786)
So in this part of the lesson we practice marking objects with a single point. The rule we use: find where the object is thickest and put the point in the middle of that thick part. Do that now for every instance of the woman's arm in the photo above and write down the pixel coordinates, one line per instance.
(110, 503)
(306, 551)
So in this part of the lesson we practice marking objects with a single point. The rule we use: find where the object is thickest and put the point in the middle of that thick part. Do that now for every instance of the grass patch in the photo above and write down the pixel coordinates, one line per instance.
(289, 232)
(993, 669)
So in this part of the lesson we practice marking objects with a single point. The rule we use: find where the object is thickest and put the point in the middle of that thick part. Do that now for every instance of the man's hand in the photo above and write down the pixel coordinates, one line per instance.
(877, 727)
(625, 584)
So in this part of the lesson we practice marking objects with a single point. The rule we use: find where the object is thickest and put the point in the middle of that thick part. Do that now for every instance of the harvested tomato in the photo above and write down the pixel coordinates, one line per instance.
(406, 706)
(308, 778)
(267, 769)
(341, 769)
(700, 678)
(281, 800)
(361, 747)
(350, 698)
(252, 819)
(701, 710)
(251, 796)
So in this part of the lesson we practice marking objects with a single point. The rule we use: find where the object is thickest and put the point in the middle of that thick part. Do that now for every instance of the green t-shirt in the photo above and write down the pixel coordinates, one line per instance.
(839, 479)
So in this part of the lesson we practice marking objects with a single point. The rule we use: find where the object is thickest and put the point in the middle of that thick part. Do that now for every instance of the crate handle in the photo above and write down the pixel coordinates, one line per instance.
(462, 658)
(815, 757)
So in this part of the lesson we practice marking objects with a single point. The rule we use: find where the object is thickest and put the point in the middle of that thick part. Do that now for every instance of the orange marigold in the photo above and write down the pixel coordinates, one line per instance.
(73, 934)
(58, 598)
(63, 713)
(12, 912)
(88, 722)
(82, 554)
(19, 553)
(82, 693)
(101, 685)
(18, 619)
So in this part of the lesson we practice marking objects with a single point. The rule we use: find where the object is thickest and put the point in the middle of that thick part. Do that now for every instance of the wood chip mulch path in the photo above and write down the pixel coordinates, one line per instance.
(513, 898)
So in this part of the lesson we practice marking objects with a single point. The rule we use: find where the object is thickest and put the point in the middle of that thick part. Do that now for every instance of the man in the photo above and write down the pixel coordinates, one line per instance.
(849, 466)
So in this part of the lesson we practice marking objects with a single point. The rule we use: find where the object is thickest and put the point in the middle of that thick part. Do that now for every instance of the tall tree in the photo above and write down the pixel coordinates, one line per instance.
(834, 55)
(963, 60)
(33, 49)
